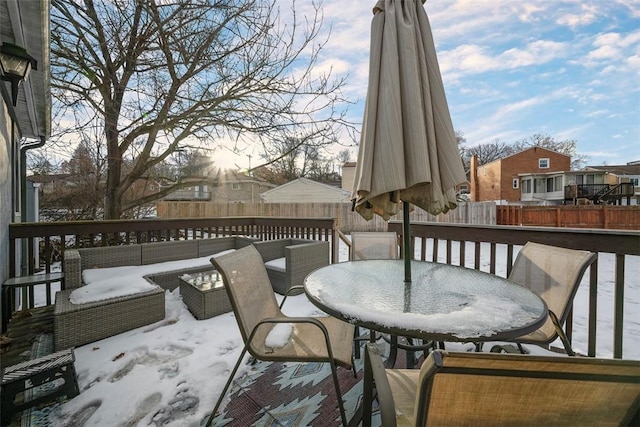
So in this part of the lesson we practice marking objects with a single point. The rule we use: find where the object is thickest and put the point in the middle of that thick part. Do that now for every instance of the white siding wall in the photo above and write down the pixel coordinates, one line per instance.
(5, 190)
(305, 192)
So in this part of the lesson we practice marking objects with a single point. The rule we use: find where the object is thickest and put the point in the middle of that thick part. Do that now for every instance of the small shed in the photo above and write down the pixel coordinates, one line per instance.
(304, 190)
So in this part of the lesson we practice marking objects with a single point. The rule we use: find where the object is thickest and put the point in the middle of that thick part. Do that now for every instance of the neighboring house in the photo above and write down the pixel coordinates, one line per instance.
(228, 187)
(52, 183)
(620, 174)
(500, 180)
(236, 187)
(348, 176)
(549, 188)
(303, 190)
(26, 125)
(198, 192)
(591, 185)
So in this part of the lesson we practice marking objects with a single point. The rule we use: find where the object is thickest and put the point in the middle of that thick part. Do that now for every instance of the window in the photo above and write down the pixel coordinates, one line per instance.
(540, 184)
(526, 186)
(557, 183)
(235, 186)
(516, 183)
(634, 181)
(554, 184)
(543, 163)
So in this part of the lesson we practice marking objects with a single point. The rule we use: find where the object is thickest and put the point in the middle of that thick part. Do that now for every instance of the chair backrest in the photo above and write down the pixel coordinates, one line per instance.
(554, 274)
(513, 389)
(374, 245)
(247, 284)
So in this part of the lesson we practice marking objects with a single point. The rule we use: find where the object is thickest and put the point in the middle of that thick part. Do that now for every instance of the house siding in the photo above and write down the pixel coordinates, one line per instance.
(489, 179)
(306, 191)
(5, 190)
(237, 192)
(495, 179)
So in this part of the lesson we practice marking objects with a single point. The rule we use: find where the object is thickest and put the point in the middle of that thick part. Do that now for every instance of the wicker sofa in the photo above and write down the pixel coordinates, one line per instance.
(289, 261)
(78, 324)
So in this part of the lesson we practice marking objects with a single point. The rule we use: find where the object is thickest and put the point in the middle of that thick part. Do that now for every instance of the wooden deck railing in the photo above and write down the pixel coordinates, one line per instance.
(481, 243)
(620, 244)
(49, 240)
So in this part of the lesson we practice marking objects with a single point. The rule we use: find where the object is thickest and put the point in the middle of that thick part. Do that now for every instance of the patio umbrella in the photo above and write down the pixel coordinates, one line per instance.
(408, 150)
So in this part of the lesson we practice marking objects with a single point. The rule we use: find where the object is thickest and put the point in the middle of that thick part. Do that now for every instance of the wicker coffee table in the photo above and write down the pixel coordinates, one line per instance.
(204, 294)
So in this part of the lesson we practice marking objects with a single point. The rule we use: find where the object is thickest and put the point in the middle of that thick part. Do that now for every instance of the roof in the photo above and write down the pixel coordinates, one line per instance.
(551, 173)
(44, 178)
(524, 151)
(308, 182)
(26, 24)
(620, 170)
(229, 175)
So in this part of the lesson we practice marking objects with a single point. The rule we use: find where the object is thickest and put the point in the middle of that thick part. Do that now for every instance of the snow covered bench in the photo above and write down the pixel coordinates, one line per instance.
(114, 289)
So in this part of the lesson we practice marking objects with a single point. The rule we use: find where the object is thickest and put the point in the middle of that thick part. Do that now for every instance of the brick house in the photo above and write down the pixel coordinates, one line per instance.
(500, 179)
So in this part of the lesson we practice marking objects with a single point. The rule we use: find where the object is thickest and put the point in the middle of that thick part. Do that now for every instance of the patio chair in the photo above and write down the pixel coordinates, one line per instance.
(503, 389)
(373, 245)
(312, 339)
(369, 245)
(289, 261)
(554, 274)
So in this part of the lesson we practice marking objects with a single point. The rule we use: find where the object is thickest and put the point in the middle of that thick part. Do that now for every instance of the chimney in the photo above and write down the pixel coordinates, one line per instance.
(473, 178)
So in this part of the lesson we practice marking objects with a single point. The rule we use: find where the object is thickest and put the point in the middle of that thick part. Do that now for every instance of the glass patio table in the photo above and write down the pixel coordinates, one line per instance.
(442, 303)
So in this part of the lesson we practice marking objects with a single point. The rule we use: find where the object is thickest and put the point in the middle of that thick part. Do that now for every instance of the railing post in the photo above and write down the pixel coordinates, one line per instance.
(593, 309)
(335, 242)
(618, 321)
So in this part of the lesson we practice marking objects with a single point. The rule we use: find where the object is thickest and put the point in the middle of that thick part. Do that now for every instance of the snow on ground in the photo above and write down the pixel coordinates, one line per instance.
(171, 373)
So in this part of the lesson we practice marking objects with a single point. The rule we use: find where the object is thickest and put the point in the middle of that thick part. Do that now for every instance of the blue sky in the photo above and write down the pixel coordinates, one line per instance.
(513, 68)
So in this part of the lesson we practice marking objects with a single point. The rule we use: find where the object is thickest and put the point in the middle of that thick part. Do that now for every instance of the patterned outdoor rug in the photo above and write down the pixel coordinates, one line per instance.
(39, 417)
(293, 395)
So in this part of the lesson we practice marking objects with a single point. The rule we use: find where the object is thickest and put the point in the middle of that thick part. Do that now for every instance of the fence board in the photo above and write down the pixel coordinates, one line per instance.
(481, 213)
(573, 216)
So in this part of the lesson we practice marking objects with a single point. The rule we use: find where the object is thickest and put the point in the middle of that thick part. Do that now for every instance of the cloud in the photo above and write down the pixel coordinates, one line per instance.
(613, 45)
(587, 15)
(516, 107)
(468, 58)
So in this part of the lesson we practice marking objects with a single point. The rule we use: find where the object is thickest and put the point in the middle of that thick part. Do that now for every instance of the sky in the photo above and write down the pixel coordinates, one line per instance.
(161, 365)
(569, 69)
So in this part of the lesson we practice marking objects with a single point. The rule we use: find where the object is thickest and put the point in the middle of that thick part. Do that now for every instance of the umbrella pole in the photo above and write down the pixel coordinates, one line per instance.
(406, 242)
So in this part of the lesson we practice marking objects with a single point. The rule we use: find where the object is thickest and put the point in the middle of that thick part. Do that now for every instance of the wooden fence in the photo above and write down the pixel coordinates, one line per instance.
(480, 213)
(571, 216)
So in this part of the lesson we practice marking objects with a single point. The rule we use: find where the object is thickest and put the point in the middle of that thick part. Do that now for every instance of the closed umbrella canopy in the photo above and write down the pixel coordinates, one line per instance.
(408, 149)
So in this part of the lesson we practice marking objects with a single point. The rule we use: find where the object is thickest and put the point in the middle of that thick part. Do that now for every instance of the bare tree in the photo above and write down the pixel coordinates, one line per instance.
(486, 153)
(497, 149)
(567, 146)
(159, 77)
(344, 156)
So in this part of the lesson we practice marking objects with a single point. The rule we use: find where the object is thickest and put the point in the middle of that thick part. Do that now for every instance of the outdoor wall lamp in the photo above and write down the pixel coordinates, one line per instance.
(15, 64)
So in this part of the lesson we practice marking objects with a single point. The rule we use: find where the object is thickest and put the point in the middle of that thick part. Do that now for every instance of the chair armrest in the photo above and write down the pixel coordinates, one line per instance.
(294, 289)
(72, 268)
(287, 319)
(270, 249)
